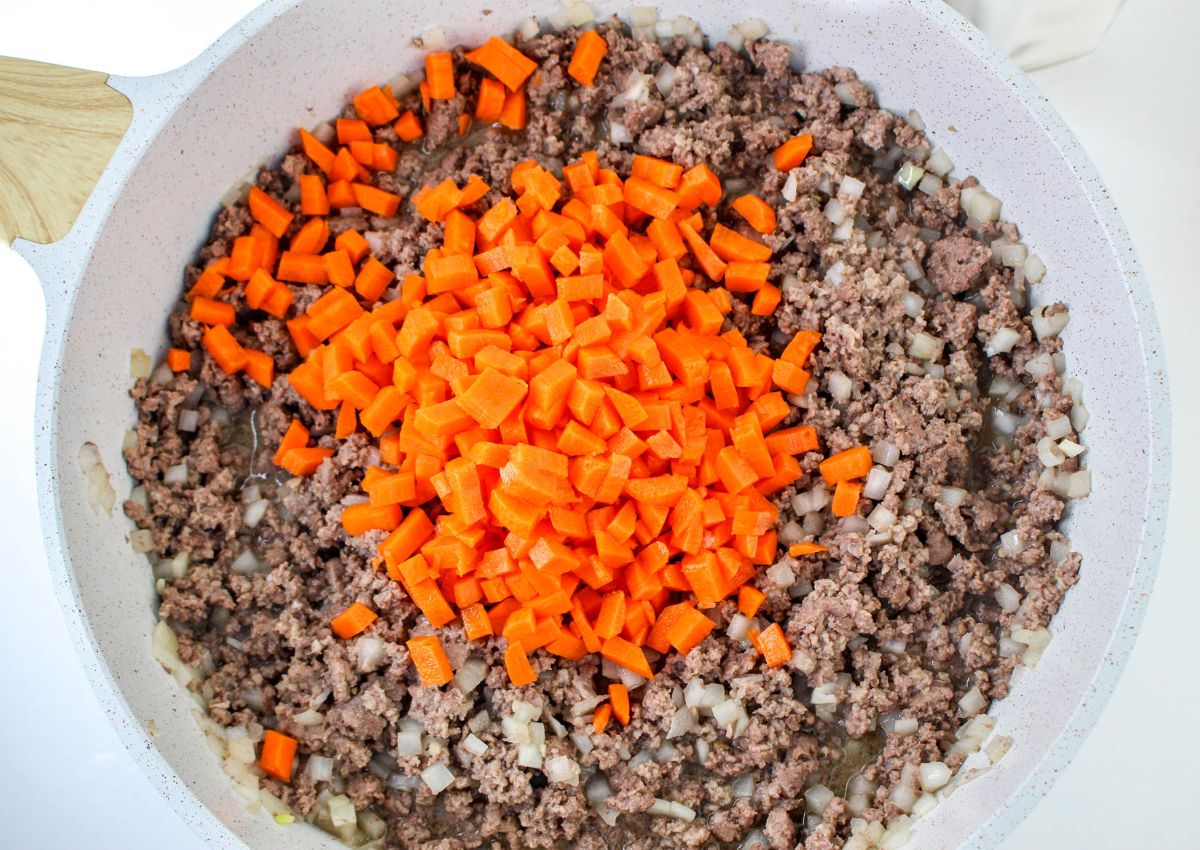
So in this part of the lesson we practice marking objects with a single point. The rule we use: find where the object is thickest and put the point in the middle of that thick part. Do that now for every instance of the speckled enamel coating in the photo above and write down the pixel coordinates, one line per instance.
(110, 284)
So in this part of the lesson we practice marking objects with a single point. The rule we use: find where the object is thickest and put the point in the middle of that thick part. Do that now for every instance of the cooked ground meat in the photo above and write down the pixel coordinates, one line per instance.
(894, 624)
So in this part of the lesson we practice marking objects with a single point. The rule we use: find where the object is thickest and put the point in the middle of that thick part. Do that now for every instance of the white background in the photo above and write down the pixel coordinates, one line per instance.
(66, 780)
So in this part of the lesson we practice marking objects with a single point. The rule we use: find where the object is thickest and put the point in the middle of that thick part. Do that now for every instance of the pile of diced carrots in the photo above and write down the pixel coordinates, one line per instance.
(574, 455)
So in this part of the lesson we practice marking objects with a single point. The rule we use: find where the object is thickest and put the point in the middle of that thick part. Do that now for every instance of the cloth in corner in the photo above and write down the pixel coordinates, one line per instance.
(1038, 33)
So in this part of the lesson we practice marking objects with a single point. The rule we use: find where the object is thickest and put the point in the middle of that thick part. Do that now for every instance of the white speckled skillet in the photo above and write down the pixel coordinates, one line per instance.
(112, 280)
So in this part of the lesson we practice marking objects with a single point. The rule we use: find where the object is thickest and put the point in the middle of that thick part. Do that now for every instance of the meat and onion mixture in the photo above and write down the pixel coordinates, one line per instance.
(775, 618)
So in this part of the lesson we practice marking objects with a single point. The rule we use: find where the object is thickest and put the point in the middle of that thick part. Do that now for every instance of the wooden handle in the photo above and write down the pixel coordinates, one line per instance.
(58, 130)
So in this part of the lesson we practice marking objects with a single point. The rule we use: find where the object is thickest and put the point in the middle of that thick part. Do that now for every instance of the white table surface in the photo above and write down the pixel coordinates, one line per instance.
(67, 781)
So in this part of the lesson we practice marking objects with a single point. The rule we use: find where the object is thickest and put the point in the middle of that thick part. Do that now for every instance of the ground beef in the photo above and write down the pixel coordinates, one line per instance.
(887, 625)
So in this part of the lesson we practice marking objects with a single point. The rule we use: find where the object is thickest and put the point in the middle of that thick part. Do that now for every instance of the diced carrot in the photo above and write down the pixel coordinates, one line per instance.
(590, 50)
(278, 755)
(429, 660)
(845, 465)
(791, 153)
(845, 498)
(353, 620)
(505, 62)
(773, 645)
(601, 717)
(516, 662)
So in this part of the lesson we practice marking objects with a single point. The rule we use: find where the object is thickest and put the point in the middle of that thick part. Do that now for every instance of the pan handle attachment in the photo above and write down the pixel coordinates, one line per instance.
(59, 128)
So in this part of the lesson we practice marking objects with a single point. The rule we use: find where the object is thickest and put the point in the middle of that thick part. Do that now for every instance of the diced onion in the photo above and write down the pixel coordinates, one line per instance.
(1005, 422)
(1034, 268)
(582, 742)
(579, 14)
(371, 652)
(835, 211)
(924, 805)
(433, 39)
(739, 626)
(939, 163)
(810, 500)
(854, 525)
(140, 364)
(1058, 427)
(1070, 448)
(817, 798)
(618, 135)
(309, 717)
(597, 789)
(142, 541)
(906, 726)
(980, 205)
(753, 28)
(470, 675)
(254, 512)
(925, 346)
(790, 533)
(1002, 342)
(897, 834)
(1009, 253)
(529, 755)
(781, 574)
(529, 28)
(911, 269)
(840, 386)
(1007, 598)
(1079, 416)
(671, 809)
(682, 722)
(409, 743)
(562, 770)
(878, 481)
(1048, 326)
(1011, 544)
(320, 768)
(176, 474)
(643, 16)
(972, 702)
(755, 839)
(913, 304)
(1049, 453)
(341, 810)
(881, 519)
(637, 90)
(788, 190)
(930, 184)
(664, 79)
(842, 232)
(903, 793)
(909, 175)
(1035, 640)
(246, 563)
(743, 786)
(851, 187)
(474, 745)
(438, 777)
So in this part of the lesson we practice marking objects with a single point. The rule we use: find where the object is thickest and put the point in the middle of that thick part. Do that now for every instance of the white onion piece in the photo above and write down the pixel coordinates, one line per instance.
(1034, 268)
(1058, 427)
(140, 364)
(925, 346)
(1007, 598)
(904, 793)
(682, 722)
(320, 768)
(913, 303)
(529, 755)
(851, 187)
(743, 786)
(246, 563)
(1004, 422)
(788, 190)
(930, 184)
(906, 726)
(409, 744)
(664, 79)
(840, 386)
(141, 541)
(671, 809)
(1070, 448)
(790, 533)
(371, 652)
(176, 474)
(1011, 544)
(1009, 253)
(835, 211)
(810, 500)
(909, 175)
(881, 519)
(579, 14)
(817, 798)
(562, 770)
(437, 777)
(878, 481)
(1035, 640)
(842, 232)
(897, 834)
(597, 789)
(781, 574)
(739, 626)
(470, 675)
(309, 717)
(528, 29)
(753, 29)
(474, 745)
(1049, 453)
(254, 512)
(939, 163)
(1079, 416)
(433, 39)
(911, 270)
(755, 839)
(643, 16)
(854, 525)
(885, 453)
(972, 702)
(980, 205)
(1048, 326)
(618, 135)
(1002, 342)
(637, 90)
